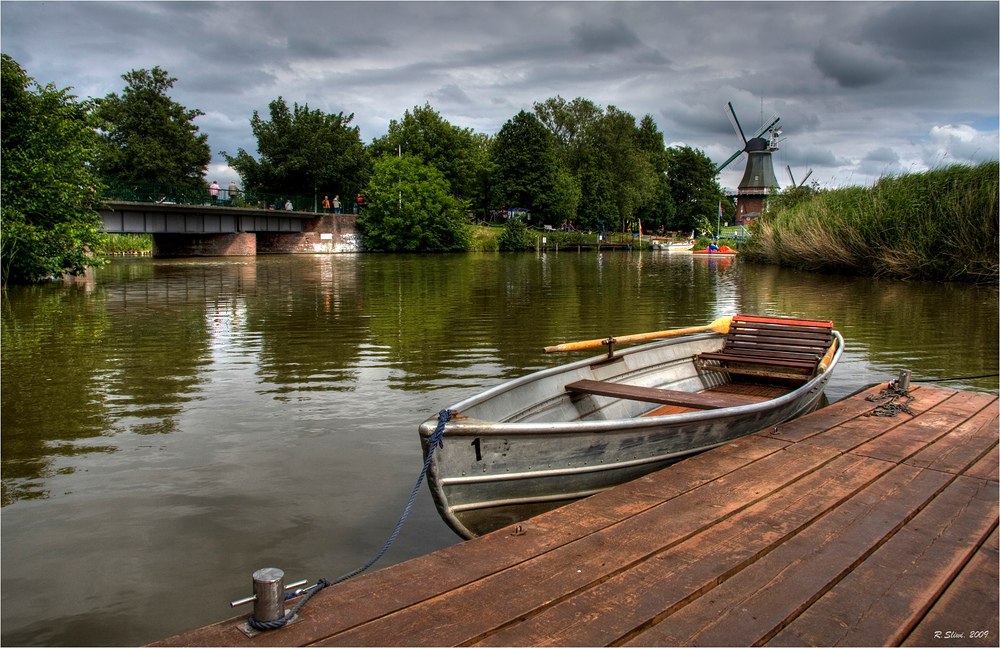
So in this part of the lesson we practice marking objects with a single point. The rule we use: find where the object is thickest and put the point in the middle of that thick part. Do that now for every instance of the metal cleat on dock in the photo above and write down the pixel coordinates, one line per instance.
(268, 598)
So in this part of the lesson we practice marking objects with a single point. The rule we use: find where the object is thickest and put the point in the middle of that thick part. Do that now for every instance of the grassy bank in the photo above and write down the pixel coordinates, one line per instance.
(125, 244)
(486, 238)
(939, 225)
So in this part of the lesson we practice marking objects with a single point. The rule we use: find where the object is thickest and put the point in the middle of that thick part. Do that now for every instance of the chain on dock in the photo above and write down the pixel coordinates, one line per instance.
(892, 392)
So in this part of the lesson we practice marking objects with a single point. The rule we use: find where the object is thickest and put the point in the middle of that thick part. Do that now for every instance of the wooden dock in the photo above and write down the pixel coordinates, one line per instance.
(834, 529)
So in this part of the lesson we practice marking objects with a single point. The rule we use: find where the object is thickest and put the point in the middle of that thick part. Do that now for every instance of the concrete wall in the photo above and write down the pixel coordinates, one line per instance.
(330, 233)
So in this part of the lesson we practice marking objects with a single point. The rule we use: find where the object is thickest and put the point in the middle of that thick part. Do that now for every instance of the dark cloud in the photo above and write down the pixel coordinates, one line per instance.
(451, 94)
(603, 38)
(942, 31)
(883, 155)
(854, 66)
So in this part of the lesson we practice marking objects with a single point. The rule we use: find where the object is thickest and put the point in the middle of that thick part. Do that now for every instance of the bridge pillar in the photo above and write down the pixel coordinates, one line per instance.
(187, 245)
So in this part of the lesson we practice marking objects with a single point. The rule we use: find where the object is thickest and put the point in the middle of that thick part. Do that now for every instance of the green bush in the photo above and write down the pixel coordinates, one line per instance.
(515, 236)
(561, 238)
(409, 208)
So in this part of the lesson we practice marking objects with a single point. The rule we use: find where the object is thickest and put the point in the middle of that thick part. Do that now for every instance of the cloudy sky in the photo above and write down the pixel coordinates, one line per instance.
(863, 89)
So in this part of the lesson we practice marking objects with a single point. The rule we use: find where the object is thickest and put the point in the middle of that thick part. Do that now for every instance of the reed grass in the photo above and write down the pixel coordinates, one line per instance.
(939, 225)
(485, 238)
(124, 244)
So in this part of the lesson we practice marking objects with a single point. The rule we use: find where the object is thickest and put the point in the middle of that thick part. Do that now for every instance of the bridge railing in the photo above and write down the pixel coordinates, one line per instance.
(166, 194)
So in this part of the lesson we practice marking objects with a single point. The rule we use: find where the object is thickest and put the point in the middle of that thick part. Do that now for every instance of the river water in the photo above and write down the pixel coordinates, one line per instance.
(170, 426)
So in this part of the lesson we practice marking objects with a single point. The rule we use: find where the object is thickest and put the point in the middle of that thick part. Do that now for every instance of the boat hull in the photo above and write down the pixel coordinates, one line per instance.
(528, 445)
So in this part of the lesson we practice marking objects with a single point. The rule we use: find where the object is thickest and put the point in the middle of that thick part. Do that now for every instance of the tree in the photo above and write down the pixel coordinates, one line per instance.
(693, 186)
(303, 152)
(529, 173)
(46, 218)
(147, 136)
(608, 156)
(660, 209)
(572, 124)
(424, 133)
(482, 196)
(632, 176)
(408, 208)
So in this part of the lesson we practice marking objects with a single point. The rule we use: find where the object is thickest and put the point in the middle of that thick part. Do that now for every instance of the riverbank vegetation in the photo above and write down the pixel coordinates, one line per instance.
(47, 224)
(124, 244)
(939, 225)
(409, 208)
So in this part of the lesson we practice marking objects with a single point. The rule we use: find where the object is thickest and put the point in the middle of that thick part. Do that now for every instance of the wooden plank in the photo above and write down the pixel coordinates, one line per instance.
(827, 418)
(966, 614)
(885, 597)
(669, 579)
(464, 616)
(779, 340)
(770, 359)
(754, 604)
(862, 429)
(914, 435)
(751, 391)
(759, 373)
(700, 400)
(790, 341)
(987, 467)
(953, 452)
(793, 321)
(757, 390)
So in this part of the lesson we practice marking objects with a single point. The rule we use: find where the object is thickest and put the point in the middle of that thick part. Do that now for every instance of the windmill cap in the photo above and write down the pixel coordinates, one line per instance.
(757, 144)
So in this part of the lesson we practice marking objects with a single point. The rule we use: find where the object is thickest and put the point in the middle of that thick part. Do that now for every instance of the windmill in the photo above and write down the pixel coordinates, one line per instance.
(758, 177)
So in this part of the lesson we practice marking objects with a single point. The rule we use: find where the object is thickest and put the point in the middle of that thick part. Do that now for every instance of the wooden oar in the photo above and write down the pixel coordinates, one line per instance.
(720, 325)
(827, 359)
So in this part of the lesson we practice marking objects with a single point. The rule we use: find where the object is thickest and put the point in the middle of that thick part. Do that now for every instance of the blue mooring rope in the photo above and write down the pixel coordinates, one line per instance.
(436, 441)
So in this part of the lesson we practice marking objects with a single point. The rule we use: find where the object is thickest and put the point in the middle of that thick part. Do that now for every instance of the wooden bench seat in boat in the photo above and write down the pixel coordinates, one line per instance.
(777, 347)
(699, 400)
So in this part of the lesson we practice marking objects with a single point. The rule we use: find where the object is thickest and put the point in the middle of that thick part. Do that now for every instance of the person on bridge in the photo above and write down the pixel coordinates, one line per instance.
(336, 204)
(234, 191)
(213, 189)
(326, 204)
(288, 204)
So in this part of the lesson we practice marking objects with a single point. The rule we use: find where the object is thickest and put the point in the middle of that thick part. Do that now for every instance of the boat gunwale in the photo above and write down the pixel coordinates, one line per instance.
(478, 427)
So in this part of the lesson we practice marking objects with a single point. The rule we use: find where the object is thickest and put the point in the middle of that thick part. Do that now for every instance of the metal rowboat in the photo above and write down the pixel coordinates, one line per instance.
(543, 440)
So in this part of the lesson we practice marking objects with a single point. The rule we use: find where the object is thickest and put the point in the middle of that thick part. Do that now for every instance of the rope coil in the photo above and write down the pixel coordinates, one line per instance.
(436, 441)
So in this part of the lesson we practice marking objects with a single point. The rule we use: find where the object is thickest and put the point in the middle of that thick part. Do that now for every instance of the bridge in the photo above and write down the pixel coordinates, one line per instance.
(214, 230)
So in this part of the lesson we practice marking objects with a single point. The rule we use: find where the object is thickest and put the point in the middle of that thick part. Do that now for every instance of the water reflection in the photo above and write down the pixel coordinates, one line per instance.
(223, 415)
